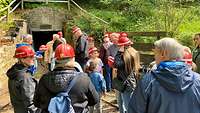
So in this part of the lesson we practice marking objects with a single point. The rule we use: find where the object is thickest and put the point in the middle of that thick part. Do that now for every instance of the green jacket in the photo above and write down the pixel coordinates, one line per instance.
(196, 58)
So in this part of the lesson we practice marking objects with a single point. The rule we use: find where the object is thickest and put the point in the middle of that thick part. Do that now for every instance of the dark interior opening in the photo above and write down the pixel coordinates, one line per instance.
(42, 37)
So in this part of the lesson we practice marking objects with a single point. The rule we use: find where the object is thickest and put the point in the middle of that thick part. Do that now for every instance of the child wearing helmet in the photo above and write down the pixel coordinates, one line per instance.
(21, 84)
(94, 57)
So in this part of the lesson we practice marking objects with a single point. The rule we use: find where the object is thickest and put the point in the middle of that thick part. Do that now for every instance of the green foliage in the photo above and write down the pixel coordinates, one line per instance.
(180, 17)
(3, 4)
(6, 26)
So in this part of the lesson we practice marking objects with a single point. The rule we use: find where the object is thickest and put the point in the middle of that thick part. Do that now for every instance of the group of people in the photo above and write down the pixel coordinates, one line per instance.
(75, 80)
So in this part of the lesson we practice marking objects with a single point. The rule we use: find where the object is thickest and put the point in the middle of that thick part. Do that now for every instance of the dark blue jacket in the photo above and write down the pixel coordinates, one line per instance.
(172, 88)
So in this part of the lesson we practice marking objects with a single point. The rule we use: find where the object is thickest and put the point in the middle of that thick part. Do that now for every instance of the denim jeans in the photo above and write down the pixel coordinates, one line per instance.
(108, 77)
(123, 100)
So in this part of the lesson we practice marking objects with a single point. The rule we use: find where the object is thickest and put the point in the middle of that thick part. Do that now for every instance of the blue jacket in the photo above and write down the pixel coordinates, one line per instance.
(172, 88)
(98, 81)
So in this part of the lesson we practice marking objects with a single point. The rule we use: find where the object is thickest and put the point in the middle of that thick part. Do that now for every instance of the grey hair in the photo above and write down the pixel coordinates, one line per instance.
(173, 48)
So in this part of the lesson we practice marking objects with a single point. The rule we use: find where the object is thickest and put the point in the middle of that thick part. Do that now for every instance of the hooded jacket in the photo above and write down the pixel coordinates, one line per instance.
(21, 88)
(171, 88)
(82, 94)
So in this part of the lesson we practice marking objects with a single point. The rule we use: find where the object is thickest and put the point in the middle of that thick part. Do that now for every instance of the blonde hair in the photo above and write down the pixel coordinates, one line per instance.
(132, 61)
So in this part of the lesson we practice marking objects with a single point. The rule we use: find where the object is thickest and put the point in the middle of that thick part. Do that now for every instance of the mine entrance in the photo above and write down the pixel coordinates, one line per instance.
(42, 37)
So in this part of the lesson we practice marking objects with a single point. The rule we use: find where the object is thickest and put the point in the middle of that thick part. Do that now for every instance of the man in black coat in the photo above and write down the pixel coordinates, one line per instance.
(21, 83)
(81, 49)
(82, 93)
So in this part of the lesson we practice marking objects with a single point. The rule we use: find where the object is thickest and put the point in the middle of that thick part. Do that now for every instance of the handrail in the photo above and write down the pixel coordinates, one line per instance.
(8, 9)
(88, 12)
(7, 6)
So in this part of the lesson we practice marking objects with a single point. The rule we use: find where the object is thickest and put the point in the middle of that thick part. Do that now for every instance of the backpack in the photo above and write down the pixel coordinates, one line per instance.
(61, 103)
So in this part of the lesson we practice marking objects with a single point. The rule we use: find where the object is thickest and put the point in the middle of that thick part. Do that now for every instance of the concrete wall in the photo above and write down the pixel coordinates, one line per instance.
(45, 19)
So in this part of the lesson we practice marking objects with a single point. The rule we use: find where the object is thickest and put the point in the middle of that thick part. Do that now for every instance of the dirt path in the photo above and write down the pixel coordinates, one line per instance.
(109, 104)
(109, 101)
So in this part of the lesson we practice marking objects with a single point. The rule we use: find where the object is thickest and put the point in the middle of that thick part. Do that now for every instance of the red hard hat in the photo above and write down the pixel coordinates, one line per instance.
(75, 29)
(124, 34)
(124, 41)
(43, 48)
(91, 50)
(60, 34)
(187, 57)
(64, 51)
(24, 51)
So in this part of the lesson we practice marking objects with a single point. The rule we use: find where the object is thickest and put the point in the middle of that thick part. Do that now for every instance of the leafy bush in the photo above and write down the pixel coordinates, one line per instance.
(3, 4)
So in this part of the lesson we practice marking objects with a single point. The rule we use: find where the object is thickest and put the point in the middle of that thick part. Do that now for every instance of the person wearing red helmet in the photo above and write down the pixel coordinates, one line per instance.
(187, 58)
(94, 56)
(112, 50)
(21, 84)
(127, 63)
(81, 48)
(104, 57)
(82, 93)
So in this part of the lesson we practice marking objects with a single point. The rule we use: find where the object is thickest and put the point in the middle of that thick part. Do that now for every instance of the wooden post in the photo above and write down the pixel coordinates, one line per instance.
(22, 5)
(8, 10)
(68, 5)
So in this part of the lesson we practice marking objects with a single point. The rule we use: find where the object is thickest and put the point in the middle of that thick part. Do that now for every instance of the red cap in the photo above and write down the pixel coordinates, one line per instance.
(124, 34)
(187, 57)
(60, 34)
(75, 29)
(124, 41)
(64, 51)
(91, 50)
(24, 51)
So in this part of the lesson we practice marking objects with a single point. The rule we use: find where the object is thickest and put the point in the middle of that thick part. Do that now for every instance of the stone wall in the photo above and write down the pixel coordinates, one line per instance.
(45, 19)
(7, 60)
(7, 51)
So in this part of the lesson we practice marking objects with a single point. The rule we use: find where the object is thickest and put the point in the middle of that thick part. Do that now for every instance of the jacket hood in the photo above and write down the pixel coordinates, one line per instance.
(14, 71)
(58, 80)
(174, 76)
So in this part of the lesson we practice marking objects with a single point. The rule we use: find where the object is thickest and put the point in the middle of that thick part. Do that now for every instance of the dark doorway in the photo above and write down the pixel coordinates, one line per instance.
(42, 37)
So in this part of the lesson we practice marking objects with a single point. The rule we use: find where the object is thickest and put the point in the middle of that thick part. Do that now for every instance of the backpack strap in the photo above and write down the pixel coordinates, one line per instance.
(72, 82)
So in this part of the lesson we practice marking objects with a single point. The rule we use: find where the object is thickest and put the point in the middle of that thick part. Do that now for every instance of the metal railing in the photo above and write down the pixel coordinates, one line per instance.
(9, 10)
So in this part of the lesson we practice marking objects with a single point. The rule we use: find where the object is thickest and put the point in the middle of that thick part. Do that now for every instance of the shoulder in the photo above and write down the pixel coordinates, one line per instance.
(196, 77)
(148, 80)
(83, 79)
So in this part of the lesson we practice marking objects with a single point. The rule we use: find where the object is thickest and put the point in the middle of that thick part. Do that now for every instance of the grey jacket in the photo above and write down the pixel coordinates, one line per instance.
(21, 88)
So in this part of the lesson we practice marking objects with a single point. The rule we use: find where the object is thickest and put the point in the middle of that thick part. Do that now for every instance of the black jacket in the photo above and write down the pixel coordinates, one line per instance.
(128, 79)
(57, 81)
(81, 53)
(21, 88)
